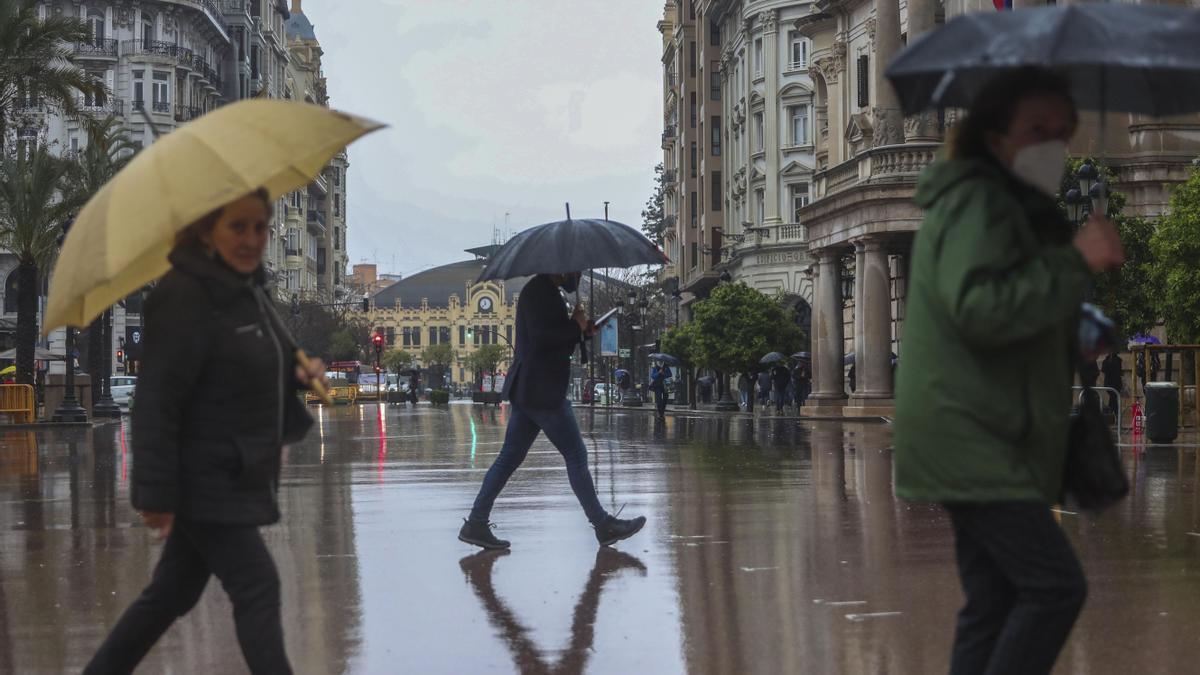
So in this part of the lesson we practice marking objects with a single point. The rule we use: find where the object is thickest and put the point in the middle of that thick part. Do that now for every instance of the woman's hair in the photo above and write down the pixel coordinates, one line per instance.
(193, 235)
(995, 106)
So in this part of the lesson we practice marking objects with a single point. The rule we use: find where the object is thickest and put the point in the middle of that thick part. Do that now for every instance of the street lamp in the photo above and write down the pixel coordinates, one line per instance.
(1090, 197)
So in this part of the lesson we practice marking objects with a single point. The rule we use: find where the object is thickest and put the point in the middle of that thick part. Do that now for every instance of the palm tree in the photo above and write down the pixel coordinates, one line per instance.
(31, 218)
(35, 61)
(109, 148)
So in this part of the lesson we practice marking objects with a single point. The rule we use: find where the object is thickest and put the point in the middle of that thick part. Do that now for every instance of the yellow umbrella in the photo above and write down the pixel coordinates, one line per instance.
(8, 371)
(120, 240)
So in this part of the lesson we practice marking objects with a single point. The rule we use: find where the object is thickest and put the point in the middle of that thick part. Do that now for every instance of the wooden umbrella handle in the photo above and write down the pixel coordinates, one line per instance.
(317, 386)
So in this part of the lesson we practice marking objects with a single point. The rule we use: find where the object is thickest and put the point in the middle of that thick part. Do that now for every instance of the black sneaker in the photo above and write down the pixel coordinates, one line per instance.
(480, 534)
(614, 529)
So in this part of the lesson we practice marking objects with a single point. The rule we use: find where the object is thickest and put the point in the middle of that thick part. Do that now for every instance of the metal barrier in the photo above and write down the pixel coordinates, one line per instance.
(1120, 409)
(18, 400)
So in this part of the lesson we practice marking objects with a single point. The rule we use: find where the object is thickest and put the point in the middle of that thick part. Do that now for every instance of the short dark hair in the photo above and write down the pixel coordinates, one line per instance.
(995, 106)
(193, 235)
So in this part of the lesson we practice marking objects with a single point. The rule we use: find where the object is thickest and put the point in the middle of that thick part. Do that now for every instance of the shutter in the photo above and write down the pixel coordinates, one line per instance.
(864, 73)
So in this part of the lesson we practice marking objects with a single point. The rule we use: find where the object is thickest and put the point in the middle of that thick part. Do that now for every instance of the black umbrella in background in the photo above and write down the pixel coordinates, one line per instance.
(773, 357)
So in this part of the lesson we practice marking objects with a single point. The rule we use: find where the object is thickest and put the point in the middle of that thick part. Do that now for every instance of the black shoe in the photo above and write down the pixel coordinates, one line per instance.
(609, 561)
(480, 534)
(613, 529)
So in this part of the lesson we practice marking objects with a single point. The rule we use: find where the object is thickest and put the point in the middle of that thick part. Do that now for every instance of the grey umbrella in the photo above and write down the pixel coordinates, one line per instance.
(572, 246)
(665, 358)
(1117, 57)
(773, 357)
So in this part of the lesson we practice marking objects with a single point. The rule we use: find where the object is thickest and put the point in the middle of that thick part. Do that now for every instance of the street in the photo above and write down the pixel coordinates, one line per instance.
(773, 546)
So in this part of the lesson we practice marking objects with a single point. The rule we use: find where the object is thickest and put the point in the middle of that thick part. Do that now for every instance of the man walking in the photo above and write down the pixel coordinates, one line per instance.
(536, 388)
(780, 379)
(658, 384)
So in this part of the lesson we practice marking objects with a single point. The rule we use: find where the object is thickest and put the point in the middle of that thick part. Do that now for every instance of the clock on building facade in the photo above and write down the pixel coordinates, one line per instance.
(485, 304)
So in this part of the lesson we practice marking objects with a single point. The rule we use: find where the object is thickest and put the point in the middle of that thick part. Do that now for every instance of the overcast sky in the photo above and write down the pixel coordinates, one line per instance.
(495, 106)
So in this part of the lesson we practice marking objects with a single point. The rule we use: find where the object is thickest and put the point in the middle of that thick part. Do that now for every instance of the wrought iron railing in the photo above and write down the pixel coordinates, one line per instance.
(97, 47)
(162, 106)
(186, 113)
(111, 106)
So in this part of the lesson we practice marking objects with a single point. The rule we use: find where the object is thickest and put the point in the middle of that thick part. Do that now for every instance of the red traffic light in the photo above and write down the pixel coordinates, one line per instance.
(377, 339)
(377, 370)
(120, 356)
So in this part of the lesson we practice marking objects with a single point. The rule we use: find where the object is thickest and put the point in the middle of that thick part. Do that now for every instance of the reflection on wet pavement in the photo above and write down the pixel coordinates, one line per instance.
(773, 546)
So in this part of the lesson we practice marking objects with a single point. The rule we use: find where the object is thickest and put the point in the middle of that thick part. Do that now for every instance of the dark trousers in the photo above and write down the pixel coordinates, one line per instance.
(1023, 585)
(523, 427)
(234, 554)
(660, 402)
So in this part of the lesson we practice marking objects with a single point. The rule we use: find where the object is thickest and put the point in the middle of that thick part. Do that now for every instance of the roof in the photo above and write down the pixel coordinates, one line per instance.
(437, 284)
(298, 26)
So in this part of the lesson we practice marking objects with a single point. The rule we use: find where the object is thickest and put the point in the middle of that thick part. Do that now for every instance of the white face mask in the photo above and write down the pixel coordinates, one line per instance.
(1041, 165)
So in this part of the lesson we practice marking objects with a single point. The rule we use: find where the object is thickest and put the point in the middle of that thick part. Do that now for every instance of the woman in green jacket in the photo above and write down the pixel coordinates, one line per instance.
(984, 388)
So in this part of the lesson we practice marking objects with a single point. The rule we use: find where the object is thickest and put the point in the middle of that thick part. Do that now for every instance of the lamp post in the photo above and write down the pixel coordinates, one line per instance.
(69, 409)
(1090, 197)
(106, 406)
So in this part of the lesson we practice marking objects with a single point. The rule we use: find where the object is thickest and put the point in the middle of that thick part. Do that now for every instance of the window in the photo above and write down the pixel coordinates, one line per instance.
(693, 162)
(714, 33)
(691, 9)
(800, 124)
(694, 208)
(692, 108)
(337, 205)
(162, 99)
(695, 255)
(691, 59)
(799, 51)
(407, 337)
(293, 280)
(444, 335)
(760, 207)
(864, 73)
(715, 192)
(147, 35)
(138, 89)
(715, 130)
(462, 336)
(391, 336)
(416, 337)
(758, 56)
(433, 336)
(799, 199)
(476, 333)
(96, 23)
(337, 238)
(508, 332)
(759, 140)
(714, 82)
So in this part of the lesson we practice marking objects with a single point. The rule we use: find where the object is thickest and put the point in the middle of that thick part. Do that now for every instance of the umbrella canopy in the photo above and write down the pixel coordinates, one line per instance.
(8, 371)
(773, 357)
(802, 356)
(665, 358)
(1144, 339)
(120, 240)
(572, 246)
(1117, 57)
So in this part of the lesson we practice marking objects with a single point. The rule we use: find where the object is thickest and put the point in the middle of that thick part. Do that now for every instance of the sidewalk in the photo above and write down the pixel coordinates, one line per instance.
(709, 410)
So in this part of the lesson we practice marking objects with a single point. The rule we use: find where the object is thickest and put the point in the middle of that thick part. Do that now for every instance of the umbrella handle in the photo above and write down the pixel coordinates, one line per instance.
(317, 386)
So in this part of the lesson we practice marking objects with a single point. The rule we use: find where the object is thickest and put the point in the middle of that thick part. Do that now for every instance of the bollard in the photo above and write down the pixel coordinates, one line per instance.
(1139, 420)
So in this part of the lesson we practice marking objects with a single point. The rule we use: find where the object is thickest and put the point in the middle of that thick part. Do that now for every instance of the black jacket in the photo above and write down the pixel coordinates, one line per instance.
(546, 337)
(216, 397)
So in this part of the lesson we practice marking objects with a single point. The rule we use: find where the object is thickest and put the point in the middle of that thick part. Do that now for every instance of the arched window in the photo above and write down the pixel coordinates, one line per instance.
(10, 293)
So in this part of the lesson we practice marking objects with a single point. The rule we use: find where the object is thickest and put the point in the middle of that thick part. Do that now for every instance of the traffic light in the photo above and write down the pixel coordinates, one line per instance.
(377, 340)
(120, 356)
(366, 304)
(377, 370)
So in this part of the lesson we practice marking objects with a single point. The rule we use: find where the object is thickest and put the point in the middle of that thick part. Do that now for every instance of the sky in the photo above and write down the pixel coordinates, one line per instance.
(494, 107)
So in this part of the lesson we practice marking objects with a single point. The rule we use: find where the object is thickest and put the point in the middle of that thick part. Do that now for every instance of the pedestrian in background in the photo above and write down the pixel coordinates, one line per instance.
(658, 384)
(217, 399)
(536, 388)
(745, 389)
(1113, 379)
(764, 387)
(997, 280)
(781, 377)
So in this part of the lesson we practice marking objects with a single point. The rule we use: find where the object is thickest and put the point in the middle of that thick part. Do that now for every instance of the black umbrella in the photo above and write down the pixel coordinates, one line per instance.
(773, 357)
(665, 358)
(1117, 57)
(572, 246)
(802, 356)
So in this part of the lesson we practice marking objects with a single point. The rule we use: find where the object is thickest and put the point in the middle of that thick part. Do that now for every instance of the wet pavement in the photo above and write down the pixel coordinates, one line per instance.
(773, 546)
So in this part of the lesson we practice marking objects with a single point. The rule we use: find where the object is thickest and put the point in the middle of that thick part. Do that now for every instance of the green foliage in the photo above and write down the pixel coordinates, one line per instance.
(437, 356)
(36, 61)
(486, 358)
(398, 360)
(1176, 247)
(439, 397)
(109, 148)
(343, 347)
(736, 326)
(653, 219)
(680, 342)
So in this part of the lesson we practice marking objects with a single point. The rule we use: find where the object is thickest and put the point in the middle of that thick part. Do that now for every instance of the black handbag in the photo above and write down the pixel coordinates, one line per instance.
(1093, 476)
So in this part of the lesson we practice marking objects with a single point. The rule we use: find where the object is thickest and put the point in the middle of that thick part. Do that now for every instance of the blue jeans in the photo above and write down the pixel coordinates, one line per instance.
(562, 430)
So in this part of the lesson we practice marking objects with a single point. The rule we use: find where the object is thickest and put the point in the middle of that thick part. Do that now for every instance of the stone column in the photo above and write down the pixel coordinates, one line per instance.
(830, 392)
(874, 357)
(770, 23)
(922, 127)
(859, 328)
(888, 122)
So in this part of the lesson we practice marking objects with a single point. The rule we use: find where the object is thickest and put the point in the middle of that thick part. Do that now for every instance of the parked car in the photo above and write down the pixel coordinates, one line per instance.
(122, 389)
(602, 393)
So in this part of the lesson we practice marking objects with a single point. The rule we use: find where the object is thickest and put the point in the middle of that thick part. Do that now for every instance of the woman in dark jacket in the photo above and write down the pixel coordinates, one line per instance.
(216, 403)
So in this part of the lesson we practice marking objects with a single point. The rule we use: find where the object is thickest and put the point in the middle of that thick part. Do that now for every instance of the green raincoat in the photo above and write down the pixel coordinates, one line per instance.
(984, 382)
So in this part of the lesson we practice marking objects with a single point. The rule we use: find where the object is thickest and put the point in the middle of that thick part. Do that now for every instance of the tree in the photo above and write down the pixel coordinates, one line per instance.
(343, 347)
(109, 148)
(680, 342)
(398, 360)
(31, 219)
(1176, 249)
(35, 61)
(653, 218)
(437, 358)
(486, 358)
(1128, 295)
(736, 326)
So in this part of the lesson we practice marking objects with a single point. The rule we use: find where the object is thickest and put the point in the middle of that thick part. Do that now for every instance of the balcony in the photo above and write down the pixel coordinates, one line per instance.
(96, 49)
(889, 163)
(670, 175)
(162, 107)
(668, 136)
(184, 113)
(316, 221)
(98, 108)
(136, 105)
(151, 48)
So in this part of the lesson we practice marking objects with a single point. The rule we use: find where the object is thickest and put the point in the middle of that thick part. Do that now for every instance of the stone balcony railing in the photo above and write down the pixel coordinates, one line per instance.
(887, 162)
